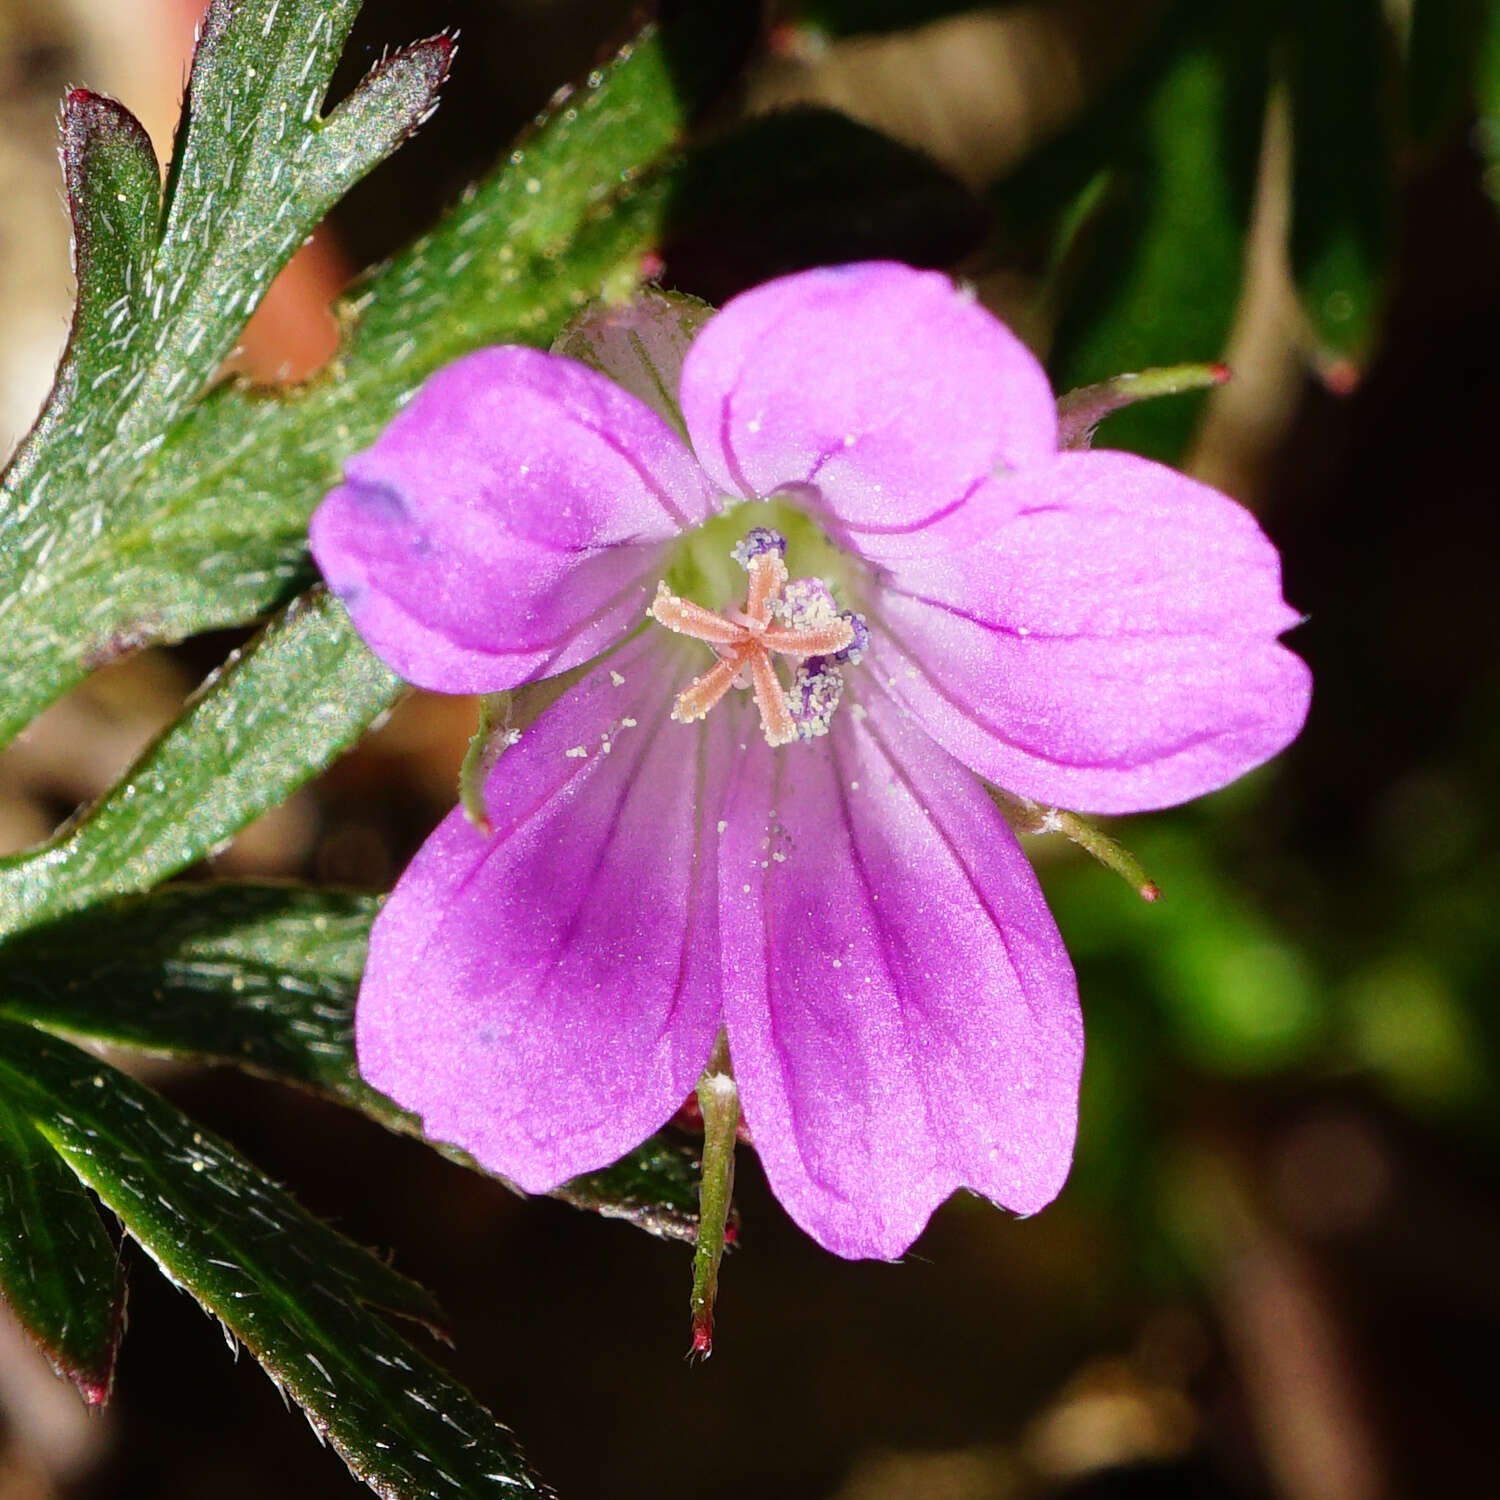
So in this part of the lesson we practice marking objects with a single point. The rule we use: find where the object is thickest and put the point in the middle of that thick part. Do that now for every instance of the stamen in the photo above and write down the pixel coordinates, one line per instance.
(759, 541)
(797, 618)
(695, 701)
(806, 602)
(767, 576)
(816, 694)
(686, 618)
(775, 717)
(816, 640)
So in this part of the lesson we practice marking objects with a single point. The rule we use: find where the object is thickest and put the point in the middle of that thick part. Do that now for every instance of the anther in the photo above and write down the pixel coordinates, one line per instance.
(795, 618)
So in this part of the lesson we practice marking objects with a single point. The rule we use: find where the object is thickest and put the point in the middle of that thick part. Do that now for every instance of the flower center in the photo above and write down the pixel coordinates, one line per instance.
(792, 617)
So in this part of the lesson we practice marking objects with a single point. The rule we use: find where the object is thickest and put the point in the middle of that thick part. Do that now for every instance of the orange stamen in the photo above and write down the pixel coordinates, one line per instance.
(775, 717)
(744, 639)
(814, 640)
(703, 692)
(768, 577)
(686, 618)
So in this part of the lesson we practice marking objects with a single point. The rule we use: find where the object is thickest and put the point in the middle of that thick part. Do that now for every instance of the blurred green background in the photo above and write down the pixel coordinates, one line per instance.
(1273, 1270)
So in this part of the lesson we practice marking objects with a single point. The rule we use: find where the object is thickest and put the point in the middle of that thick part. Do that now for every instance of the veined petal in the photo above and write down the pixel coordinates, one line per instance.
(547, 996)
(508, 523)
(902, 1016)
(1109, 644)
(882, 394)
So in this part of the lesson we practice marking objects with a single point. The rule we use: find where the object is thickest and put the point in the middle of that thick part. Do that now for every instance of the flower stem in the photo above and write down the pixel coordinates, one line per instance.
(719, 1101)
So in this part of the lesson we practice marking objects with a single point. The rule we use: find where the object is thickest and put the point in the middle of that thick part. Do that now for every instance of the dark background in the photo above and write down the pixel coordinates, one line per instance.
(1273, 1272)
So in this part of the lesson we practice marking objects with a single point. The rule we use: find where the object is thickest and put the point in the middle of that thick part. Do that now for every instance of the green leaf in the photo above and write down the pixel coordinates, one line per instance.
(1343, 171)
(164, 289)
(262, 976)
(654, 1187)
(58, 1268)
(114, 194)
(297, 1295)
(1487, 91)
(1155, 277)
(1446, 37)
(265, 977)
(206, 519)
(269, 720)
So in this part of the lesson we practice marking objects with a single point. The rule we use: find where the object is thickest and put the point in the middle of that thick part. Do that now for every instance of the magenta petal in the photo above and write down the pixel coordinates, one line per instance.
(1109, 646)
(547, 997)
(509, 522)
(884, 392)
(902, 1015)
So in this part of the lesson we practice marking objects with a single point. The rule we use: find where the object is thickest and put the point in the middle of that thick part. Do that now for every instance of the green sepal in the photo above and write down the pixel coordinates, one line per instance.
(640, 345)
(719, 1104)
(59, 1269)
(491, 738)
(1026, 816)
(300, 1297)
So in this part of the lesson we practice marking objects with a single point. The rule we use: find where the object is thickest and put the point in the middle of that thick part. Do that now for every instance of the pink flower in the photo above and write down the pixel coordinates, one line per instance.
(1085, 629)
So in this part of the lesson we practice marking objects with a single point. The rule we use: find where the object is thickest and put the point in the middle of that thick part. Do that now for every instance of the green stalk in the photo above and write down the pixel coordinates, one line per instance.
(1081, 411)
(719, 1101)
(491, 737)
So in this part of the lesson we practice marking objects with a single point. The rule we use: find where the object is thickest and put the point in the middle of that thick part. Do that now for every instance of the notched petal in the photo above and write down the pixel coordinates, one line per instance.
(881, 394)
(508, 523)
(1107, 642)
(546, 996)
(902, 1015)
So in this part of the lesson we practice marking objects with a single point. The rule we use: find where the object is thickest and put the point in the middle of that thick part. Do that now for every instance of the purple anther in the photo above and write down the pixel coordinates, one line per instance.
(757, 542)
(857, 647)
(805, 603)
(816, 692)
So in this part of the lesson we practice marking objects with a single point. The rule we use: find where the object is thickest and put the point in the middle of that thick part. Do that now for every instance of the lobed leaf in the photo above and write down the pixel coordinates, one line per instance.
(265, 977)
(164, 287)
(58, 1267)
(208, 499)
(297, 1295)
